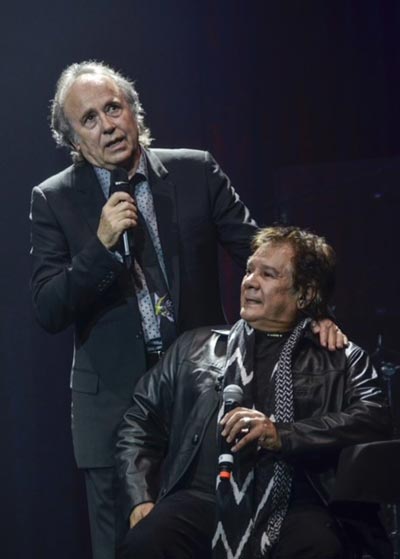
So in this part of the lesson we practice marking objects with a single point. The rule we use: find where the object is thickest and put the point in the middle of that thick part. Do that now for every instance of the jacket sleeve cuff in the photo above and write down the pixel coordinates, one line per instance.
(284, 430)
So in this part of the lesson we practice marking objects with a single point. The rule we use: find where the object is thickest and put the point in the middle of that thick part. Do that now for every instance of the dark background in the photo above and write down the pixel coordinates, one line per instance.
(298, 101)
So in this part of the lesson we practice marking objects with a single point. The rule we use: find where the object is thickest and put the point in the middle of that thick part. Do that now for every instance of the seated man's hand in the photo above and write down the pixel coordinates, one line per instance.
(330, 335)
(253, 425)
(139, 513)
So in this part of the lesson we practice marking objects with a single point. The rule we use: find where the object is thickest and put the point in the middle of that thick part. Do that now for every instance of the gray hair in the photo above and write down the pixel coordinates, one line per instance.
(61, 128)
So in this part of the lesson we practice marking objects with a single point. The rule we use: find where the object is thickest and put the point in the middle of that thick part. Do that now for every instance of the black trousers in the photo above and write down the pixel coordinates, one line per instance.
(309, 531)
(100, 492)
(181, 527)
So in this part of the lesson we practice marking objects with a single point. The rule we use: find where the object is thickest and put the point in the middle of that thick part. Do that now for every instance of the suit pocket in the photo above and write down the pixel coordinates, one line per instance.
(84, 381)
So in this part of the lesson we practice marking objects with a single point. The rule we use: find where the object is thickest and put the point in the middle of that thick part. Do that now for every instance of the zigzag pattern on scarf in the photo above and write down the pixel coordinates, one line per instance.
(239, 493)
(260, 502)
(245, 377)
(220, 534)
(284, 411)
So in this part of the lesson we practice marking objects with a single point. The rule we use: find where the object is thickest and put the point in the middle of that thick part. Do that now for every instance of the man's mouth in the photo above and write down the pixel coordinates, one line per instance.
(115, 143)
(252, 301)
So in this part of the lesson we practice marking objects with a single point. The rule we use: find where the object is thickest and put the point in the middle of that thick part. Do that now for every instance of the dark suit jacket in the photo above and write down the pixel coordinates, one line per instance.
(77, 281)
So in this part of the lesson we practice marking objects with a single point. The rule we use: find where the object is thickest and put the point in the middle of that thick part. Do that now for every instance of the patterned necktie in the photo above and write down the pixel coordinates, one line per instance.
(144, 252)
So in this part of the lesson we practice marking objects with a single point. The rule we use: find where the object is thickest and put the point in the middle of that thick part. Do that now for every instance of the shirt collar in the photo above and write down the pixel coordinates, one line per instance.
(142, 167)
(103, 175)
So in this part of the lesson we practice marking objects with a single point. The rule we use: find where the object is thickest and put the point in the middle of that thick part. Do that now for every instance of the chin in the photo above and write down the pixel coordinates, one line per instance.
(124, 161)
(248, 316)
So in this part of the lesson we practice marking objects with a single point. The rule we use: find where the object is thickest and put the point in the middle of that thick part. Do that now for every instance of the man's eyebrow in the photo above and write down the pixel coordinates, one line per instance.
(86, 113)
(270, 268)
(263, 266)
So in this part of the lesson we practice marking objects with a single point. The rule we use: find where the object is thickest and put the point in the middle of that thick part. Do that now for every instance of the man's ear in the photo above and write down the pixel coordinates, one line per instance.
(306, 297)
(74, 140)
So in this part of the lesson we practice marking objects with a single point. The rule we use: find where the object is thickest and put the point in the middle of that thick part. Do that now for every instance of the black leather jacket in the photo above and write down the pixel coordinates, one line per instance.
(338, 402)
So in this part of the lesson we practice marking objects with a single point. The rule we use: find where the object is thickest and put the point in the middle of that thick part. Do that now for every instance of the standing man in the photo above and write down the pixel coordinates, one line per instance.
(125, 248)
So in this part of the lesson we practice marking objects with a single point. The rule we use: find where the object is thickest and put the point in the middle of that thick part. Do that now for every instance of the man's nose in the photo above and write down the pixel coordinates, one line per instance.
(107, 124)
(251, 280)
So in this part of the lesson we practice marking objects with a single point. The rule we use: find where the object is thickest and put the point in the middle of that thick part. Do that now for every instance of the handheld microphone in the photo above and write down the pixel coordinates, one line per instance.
(232, 397)
(120, 183)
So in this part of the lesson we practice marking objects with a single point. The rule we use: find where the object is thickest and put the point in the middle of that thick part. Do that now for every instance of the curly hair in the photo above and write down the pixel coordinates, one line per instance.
(314, 264)
(61, 128)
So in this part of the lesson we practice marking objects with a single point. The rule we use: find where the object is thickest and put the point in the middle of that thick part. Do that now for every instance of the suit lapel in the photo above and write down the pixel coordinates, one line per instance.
(90, 201)
(164, 196)
(89, 195)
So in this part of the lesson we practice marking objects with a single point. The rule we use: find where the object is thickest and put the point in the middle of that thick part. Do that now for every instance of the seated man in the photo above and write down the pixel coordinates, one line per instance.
(301, 404)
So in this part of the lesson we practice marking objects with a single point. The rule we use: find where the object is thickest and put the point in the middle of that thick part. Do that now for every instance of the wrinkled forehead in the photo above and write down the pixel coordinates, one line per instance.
(277, 255)
(89, 92)
(93, 83)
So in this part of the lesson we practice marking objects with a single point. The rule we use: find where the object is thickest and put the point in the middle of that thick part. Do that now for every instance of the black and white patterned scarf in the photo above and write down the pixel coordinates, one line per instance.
(251, 505)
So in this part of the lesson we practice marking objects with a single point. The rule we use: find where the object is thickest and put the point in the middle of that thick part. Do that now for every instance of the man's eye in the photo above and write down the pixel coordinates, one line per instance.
(114, 108)
(89, 119)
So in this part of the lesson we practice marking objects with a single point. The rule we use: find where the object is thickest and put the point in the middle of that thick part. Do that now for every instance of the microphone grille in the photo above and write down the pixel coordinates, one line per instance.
(119, 180)
(233, 392)
(119, 174)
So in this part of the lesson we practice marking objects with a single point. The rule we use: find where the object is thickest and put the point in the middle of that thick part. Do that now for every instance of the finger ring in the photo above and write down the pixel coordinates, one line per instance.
(247, 421)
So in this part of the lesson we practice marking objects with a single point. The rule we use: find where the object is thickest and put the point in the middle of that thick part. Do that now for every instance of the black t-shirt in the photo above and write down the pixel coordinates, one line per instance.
(267, 348)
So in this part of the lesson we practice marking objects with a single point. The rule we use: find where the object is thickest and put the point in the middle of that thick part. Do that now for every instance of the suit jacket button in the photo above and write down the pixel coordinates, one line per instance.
(195, 439)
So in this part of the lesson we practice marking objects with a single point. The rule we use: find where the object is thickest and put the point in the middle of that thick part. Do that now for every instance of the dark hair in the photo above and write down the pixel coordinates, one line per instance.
(59, 124)
(313, 265)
